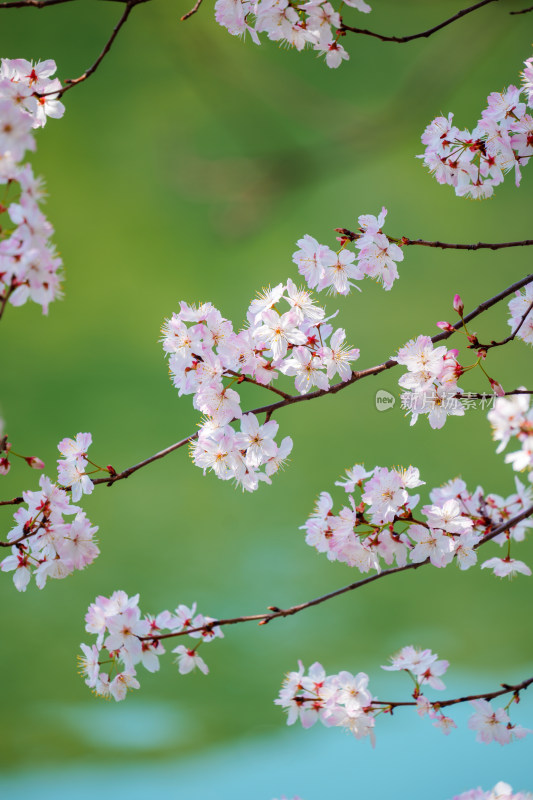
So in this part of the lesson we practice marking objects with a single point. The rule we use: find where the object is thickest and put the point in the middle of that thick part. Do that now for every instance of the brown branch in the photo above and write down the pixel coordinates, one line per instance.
(276, 612)
(193, 10)
(32, 3)
(482, 307)
(245, 379)
(337, 387)
(15, 502)
(477, 246)
(523, 11)
(487, 396)
(293, 399)
(71, 82)
(405, 242)
(476, 345)
(423, 34)
(507, 689)
(4, 299)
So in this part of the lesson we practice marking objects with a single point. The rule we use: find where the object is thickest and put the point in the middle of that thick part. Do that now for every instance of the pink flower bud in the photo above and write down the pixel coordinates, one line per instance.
(497, 387)
(458, 305)
(5, 466)
(34, 462)
(445, 326)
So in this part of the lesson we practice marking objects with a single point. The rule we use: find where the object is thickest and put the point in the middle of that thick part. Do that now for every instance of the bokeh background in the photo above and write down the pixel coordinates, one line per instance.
(186, 168)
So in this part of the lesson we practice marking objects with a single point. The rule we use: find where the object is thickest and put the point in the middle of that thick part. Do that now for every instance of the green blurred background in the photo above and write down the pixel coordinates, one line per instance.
(186, 168)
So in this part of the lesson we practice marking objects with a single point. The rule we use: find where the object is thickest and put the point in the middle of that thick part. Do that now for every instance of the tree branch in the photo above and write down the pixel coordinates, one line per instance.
(477, 246)
(487, 396)
(337, 387)
(246, 379)
(523, 11)
(32, 3)
(276, 612)
(423, 34)
(193, 10)
(405, 242)
(15, 502)
(476, 345)
(71, 82)
(507, 689)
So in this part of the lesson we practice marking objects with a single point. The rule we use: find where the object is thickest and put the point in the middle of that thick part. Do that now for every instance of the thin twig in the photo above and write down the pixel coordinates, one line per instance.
(423, 34)
(32, 3)
(276, 612)
(405, 242)
(193, 10)
(71, 82)
(4, 299)
(15, 502)
(476, 344)
(477, 246)
(523, 11)
(489, 396)
(392, 704)
(245, 379)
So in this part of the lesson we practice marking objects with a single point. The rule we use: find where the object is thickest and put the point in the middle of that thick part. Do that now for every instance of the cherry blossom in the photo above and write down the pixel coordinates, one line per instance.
(29, 264)
(71, 469)
(44, 542)
(475, 162)
(506, 567)
(323, 268)
(295, 24)
(124, 640)
(518, 307)
(379, 523)
(211, 361)
(490, 725)
(344, 700)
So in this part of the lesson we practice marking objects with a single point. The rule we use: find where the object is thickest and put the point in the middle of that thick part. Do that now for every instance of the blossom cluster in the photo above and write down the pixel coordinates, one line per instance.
(474, 162)
(294, 24)
(71, 468)
(29, 264)
(511, 418)
(324, 268)
(124, 640)
(520, 308)
(41, 538)
(430, 381)
(343, 699)
(336, 700)
(209, 360)
(379, 522)
(43, 541)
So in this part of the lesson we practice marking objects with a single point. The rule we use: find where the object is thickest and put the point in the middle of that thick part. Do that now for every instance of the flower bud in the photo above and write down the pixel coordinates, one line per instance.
(497, 387)
(34, 462)
(445, 326)
(458, 305)
(5, 466)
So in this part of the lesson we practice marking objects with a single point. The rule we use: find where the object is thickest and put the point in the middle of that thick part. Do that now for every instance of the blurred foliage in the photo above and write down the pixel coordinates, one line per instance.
(186, 168)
